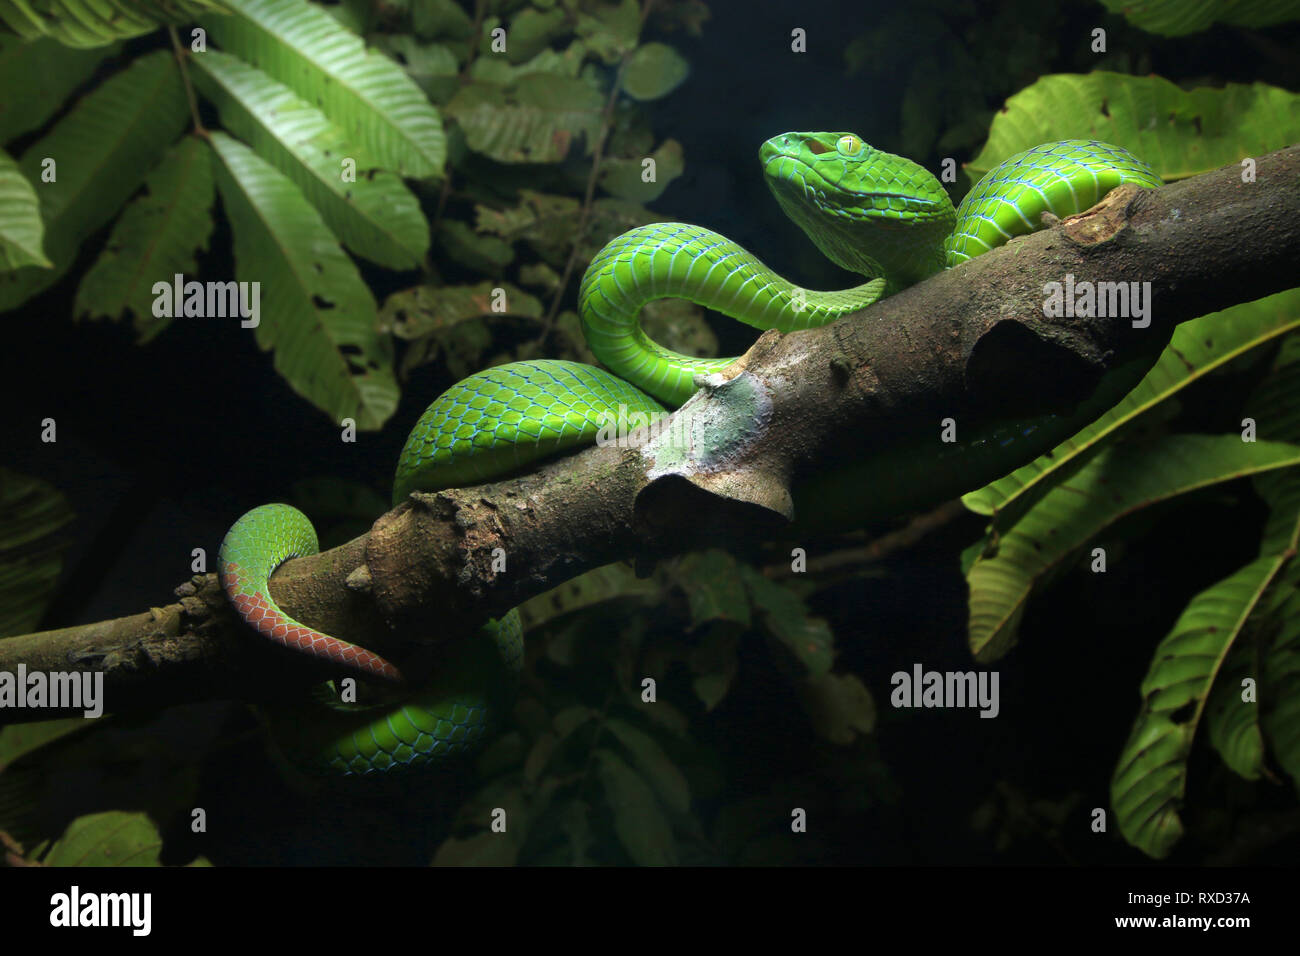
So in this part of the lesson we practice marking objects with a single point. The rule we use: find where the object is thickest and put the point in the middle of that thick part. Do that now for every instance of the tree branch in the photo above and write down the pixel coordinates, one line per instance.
(973, 339)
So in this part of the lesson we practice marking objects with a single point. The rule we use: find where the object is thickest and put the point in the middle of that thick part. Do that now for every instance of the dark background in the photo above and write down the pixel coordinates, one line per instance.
(161, 447)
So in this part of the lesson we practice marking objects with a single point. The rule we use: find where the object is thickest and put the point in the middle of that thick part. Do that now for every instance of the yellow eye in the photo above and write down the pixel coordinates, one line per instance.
(849, 145)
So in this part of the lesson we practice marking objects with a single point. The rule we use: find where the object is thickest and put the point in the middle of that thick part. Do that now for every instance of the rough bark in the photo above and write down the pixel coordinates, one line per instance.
(974, 338)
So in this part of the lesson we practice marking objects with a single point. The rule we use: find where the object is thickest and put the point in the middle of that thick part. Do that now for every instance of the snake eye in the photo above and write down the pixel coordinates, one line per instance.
(849, 145)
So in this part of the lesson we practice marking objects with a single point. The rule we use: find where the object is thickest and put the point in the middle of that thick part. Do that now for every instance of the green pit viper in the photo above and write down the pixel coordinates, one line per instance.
(871, 212)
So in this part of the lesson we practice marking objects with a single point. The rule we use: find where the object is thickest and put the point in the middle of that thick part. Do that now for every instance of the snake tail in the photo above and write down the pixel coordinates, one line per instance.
(257, 544)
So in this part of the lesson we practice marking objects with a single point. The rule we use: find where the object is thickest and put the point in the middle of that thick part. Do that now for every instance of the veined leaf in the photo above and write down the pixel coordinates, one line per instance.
(1233, 724)
(1275, 408)
(374, 213)
(532, 121)
(75, 23)
(153, 240)
(31, 550)
(365, 93)
(115, 838)
(316, 312)
(21, 229)
(18, 740)
(1179, 132)
(1175, 18)
(624, 177)
(1121, 480)
(101, 151)
(1151, 776)
(1281, 682)
(610, 582)
(654, 70)
(1197, 348)
(668, 781)
(432, 66)
(47, 73)
(641, 826)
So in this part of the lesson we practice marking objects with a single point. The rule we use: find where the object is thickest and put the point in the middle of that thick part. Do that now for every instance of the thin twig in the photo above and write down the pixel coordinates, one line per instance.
(181, 54)
(445, 191)
(878, 548)
(597, 154)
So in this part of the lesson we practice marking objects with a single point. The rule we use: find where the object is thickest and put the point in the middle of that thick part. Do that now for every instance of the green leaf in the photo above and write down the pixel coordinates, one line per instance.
(655, 765)
(101, 151)
(1231, 722)
(610, 29)
(77, 23)
(438, 18)
(1179, 132)
(653, 71)
(611, 582)
(1197, 349)
(474, 251)
(31, 549)
(107, 839)
(638, 821)
(449, 323)
(372, 212)
(47, 73)
(21, 229)
(432, 66)
(17, 740)
(531, 121)
(1281, 682)
(496, 70)
(839, 705)
(531, 30)
(571, 718)
(1275, 408)
(714, 587)
(1175, 18)
(316, 311)
(154, 240)
(549, 223)
(366, 94)
(623, 177)
(1150, 778)
(786, 617)
(1120, 480)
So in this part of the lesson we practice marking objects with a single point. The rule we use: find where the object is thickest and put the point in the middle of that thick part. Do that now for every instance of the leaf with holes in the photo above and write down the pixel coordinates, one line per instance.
(155, 238)
(535, 120)
(1150, 778)
(316, 311)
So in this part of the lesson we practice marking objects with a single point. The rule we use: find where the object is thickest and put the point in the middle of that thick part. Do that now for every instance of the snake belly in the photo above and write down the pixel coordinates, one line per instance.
(871, 212)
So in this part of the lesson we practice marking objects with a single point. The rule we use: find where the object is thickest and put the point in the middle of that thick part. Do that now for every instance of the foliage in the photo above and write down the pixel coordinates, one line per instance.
(485, 178)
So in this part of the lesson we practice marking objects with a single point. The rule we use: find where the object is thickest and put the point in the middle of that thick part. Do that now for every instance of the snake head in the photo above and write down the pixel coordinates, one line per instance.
(868, 211)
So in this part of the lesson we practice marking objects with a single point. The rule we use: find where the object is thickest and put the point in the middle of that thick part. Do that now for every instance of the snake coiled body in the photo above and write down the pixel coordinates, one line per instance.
(880, 215)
